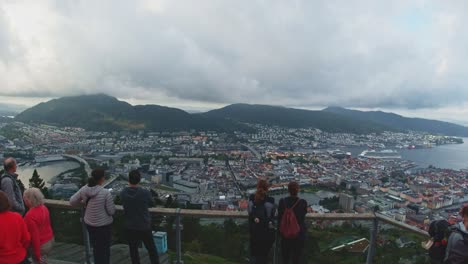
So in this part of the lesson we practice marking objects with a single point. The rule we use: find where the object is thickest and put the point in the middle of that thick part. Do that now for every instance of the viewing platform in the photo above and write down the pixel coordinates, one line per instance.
(66, 252)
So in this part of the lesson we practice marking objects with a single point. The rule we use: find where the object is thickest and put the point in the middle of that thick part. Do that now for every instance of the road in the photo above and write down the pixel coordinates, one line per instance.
(235, 180)
(111, 180)
(254, 151)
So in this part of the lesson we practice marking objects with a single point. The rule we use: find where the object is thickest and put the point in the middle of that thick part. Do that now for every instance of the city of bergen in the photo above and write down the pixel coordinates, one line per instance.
(218, 170)
(233, 132)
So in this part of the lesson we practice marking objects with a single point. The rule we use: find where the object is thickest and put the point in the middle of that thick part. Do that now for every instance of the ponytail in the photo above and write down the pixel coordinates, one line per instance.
(260, 196)
(262, 189)
(96, 176)
(91, 182)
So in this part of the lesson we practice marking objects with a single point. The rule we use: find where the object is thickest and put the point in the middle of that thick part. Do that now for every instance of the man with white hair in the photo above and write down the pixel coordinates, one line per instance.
(9, 185)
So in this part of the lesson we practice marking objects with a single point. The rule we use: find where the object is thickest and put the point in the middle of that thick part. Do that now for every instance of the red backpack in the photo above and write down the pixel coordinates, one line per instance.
(289, 226)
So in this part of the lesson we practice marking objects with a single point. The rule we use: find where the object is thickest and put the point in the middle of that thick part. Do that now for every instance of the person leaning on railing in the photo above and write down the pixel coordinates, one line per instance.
(261, 223)
(457, 247)
(100, 208)
(14, 235)
(136, 201)
(292, 247)
(38, 222)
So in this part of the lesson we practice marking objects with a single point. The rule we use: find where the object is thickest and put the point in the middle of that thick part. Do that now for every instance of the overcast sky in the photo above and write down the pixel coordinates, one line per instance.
(410, 57)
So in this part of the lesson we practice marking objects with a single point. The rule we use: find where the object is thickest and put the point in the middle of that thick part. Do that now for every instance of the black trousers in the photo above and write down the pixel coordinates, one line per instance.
(100, 239)
(25, 261)
(261, 242)
(291, 250)
(134, 238)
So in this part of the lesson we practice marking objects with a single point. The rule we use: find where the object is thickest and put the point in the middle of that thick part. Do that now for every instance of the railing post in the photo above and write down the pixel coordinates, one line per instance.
(87, 244)
(275, 252)
(373, 241)
(178, 230)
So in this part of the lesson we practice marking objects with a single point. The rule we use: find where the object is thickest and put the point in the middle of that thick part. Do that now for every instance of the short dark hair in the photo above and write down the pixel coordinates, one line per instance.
(9, 163)
(4, 202)
(134, 177)
(293, 188)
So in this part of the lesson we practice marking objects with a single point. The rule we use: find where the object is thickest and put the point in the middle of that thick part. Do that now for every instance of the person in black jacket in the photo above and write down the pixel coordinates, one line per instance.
(136, 201)
(457, 247)
(292, 248)
(261, 223)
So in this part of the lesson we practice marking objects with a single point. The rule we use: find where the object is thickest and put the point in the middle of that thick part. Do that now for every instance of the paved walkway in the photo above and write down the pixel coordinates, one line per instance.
(74, 254)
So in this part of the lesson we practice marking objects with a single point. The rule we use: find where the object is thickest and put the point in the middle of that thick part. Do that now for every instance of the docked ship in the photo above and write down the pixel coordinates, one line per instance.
(383, 154)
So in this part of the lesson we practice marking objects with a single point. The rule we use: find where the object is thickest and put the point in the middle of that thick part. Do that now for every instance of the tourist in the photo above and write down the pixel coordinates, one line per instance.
(9, 185)
(292, 246)
(14, 235)
(457, 247)
(38, 222)
(136, 201)
(98, 214)
(261, 223)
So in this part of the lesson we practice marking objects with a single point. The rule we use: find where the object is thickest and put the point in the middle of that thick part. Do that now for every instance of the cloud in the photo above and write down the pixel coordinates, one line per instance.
(394, 54)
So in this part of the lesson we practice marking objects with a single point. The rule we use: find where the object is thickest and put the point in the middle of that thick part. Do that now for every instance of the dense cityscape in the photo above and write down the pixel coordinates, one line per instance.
(217, 171)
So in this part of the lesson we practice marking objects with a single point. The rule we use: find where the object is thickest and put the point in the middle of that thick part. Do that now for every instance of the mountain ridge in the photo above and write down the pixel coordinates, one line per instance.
(101, 112)
(294, 118)
(401, 122)
(105, 113)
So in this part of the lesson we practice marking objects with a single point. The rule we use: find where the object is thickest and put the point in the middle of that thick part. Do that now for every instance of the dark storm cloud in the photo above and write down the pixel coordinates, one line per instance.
(305, 53)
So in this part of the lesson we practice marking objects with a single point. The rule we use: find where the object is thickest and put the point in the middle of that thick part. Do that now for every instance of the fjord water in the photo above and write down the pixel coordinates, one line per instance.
(47, 171)
(453, 156)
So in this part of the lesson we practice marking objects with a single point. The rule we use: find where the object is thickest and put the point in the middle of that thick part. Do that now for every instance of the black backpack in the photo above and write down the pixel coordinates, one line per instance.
(259, 211)
(439, 231)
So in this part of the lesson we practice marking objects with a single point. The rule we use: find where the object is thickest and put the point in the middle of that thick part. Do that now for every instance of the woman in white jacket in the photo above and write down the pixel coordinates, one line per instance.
(100, 208)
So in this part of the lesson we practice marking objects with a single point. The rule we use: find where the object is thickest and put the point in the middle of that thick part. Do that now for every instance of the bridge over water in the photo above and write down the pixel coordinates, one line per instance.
(80, 160)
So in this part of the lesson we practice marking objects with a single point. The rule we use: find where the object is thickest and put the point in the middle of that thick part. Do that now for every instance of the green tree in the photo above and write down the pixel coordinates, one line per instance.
(354, 192)
(330, 203)
(169, 201)
(117, 200)
(20, 185)
(37, 182)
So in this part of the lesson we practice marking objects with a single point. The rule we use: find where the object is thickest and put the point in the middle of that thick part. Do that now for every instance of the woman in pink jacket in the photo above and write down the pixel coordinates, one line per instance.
(38, 222)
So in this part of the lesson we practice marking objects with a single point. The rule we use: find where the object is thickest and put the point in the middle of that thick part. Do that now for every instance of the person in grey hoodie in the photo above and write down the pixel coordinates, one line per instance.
(9, 185)
(98, 215)
(457, 247)
(136, 201)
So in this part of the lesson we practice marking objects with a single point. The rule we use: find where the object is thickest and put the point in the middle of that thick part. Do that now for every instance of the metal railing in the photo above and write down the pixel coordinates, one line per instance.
(178, 213)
